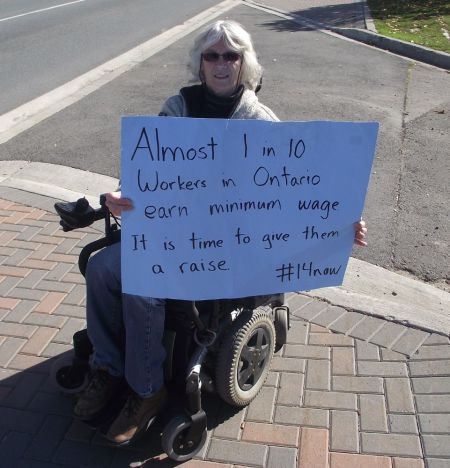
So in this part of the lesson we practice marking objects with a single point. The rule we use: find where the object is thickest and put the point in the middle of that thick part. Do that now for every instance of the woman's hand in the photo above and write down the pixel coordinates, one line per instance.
(360, 233)
(116, 204)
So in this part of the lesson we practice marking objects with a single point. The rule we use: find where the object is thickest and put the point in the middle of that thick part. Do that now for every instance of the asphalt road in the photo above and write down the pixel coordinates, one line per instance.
(42, 47)
(309, 75)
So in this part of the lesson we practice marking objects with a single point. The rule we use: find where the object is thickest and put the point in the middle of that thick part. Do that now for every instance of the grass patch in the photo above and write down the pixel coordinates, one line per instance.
(423, 22)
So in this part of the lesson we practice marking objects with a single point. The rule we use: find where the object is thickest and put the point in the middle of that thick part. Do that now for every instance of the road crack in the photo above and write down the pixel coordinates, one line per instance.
(398, 193)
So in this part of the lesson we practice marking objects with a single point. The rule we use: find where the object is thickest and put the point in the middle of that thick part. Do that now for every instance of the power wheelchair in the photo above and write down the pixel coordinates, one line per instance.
(221, 346)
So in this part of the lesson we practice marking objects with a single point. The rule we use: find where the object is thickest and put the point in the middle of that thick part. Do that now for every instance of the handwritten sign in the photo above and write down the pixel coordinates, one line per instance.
(236, 208)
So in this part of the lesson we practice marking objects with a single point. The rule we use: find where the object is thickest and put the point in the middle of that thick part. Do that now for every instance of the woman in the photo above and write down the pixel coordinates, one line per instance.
(224, 60)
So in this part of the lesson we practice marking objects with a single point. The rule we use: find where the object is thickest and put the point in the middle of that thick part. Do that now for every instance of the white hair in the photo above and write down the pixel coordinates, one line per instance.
(238, 40)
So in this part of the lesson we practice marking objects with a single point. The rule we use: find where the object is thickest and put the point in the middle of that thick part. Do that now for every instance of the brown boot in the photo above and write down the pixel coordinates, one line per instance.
(137, 414)
(101, 390)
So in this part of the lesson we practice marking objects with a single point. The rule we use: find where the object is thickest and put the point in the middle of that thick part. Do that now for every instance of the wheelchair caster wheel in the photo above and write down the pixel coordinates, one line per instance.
(69, 377)
(244, 358)
(281, 322)
(174, 441)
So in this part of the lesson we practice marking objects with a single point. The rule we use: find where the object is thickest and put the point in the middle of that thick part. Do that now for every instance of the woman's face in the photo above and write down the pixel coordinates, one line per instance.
(221, 73)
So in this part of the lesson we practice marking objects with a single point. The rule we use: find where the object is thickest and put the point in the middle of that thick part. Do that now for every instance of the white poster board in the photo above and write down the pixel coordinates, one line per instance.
(236, 208)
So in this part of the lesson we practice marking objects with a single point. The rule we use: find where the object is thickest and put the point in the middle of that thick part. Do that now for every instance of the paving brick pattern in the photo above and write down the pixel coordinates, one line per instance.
(347, 390)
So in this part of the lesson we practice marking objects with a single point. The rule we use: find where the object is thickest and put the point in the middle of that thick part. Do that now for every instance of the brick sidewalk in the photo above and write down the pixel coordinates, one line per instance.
(342, 393)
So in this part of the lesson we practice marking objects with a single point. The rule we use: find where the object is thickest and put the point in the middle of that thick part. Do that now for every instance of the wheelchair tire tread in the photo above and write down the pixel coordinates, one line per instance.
(228, 358)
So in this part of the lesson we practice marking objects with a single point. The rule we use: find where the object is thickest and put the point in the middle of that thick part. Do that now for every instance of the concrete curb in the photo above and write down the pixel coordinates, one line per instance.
(375, 291)
(412, 51)
(368, 20)
(53, 181)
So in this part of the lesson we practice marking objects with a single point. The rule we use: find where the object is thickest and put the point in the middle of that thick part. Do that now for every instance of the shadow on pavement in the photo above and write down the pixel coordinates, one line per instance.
(37, 427)
(285, 25)
(340, 15)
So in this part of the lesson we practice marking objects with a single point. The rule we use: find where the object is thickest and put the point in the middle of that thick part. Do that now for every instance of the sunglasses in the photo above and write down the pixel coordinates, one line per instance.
(227, 56)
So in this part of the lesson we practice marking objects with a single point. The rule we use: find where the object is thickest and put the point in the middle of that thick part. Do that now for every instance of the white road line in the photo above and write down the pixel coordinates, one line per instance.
(40, 11)
(23, 117)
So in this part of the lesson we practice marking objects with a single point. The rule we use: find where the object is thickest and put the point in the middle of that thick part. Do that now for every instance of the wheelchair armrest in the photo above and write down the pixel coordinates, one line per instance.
(92, 247)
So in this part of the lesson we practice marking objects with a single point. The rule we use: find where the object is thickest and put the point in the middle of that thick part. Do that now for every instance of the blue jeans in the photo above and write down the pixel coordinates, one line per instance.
(126, 331)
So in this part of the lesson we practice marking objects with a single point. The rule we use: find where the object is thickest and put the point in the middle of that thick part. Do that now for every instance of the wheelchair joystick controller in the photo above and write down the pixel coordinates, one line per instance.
(81, 205)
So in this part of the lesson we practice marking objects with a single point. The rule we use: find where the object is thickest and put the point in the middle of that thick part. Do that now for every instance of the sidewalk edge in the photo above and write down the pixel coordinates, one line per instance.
(55, 181)
(376, 291)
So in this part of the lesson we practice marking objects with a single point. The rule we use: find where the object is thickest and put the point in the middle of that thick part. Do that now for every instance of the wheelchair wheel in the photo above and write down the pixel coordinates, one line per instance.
(281, 322)
(244, 358)
(173, 439)
(67, 377)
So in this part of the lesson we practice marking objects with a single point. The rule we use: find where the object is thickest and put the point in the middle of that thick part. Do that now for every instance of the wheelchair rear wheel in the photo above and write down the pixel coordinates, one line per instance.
(244, 358)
